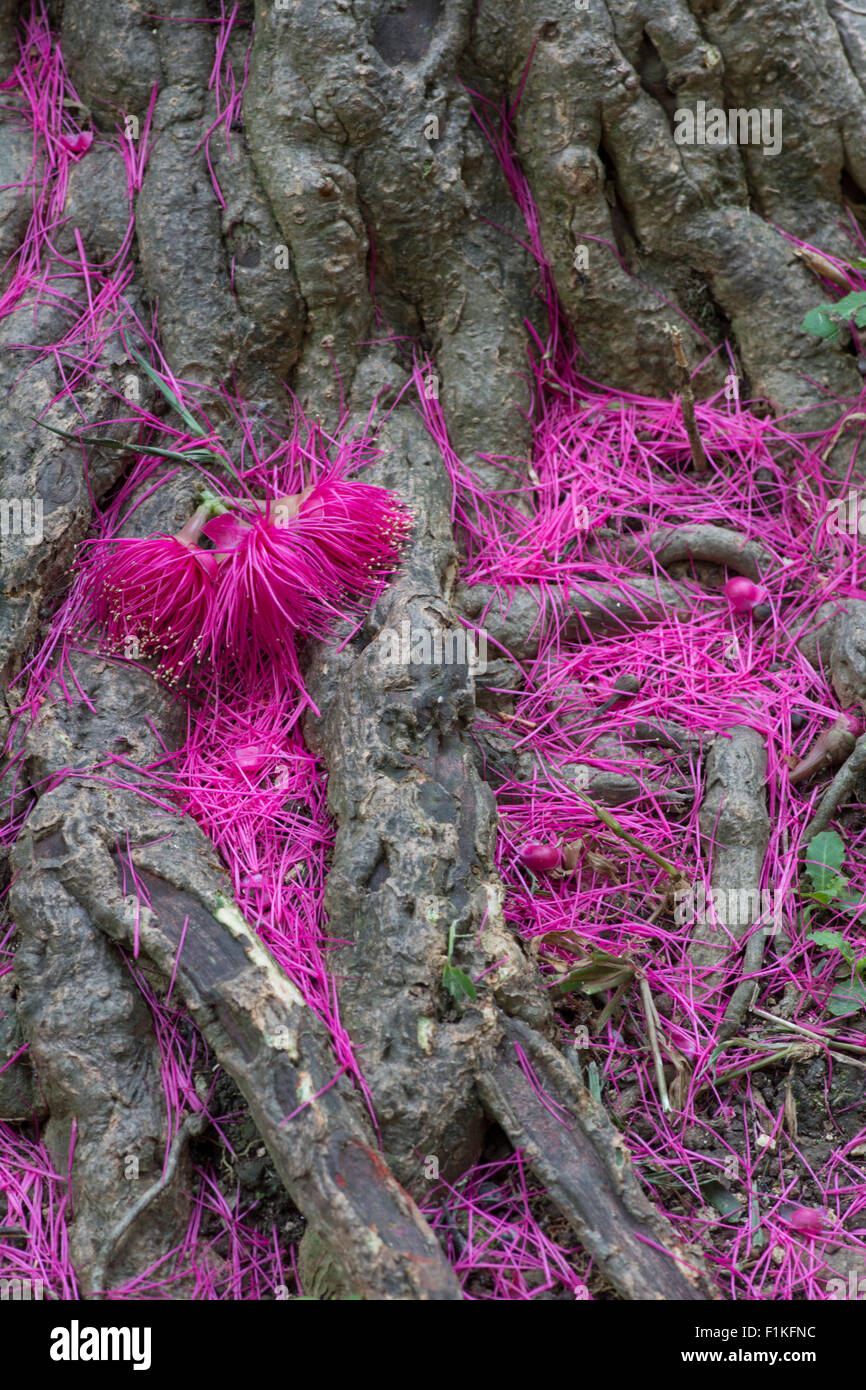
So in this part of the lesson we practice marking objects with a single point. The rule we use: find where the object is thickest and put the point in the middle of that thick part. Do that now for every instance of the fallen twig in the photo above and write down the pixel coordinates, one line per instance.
(836, 792)
(651, 1019)
(687, 402)
(626, 836)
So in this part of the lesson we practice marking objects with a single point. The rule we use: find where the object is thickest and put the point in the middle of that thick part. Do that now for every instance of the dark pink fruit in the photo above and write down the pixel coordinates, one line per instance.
(541, 859)
(808, 1220)
(742, 594)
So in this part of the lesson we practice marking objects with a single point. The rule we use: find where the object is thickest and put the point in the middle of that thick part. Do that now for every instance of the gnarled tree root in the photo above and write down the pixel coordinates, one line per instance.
(517, 627)
(271, 1044)
(415, 844)
(97, 1064)
(735, 827)
(586, 1169)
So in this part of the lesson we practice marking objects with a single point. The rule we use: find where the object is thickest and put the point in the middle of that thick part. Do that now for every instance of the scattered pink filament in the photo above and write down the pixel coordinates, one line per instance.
(498, 1237)
(610, 470)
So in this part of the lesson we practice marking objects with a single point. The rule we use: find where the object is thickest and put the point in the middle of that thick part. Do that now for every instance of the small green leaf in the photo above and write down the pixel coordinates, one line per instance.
(827, 848)
(847, 306)
(147, 450)
(835, 885)
(723, 1200)
(189, 420)
(824, 856)
(835, 940)
(818, 323)
(848, 997)
(593, 1080)
(759, 1236)
(458, 983)
(601, 971)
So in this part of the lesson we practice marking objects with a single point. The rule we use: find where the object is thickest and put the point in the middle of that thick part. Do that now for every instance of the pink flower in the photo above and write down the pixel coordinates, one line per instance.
(356, 531)
(305, 563)
(155, 597)
(298, 567)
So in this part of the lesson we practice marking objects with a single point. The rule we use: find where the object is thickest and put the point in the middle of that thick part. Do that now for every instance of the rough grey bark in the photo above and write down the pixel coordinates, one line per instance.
(415, 842)
(362, 135)
(519, 625)
(36, 464)
(91, 1039)
(595, 134)
(19, 1093)
(836, 643)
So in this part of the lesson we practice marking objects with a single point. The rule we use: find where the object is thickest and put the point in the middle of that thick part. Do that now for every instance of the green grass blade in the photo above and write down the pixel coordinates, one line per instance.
(174, 401)
(191, 455)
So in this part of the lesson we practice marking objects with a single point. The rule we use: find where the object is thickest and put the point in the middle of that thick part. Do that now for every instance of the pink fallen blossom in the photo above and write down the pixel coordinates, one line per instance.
(158, 590)
(304, 563)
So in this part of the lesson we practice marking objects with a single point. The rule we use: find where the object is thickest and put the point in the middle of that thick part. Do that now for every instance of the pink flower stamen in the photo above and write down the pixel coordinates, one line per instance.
(305, 563)
(154, 597)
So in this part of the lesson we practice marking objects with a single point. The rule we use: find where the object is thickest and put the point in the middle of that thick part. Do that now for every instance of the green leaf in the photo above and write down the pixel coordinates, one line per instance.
(189, 420)
(848, 997)
(602, 971)
(827, 848)
(835, 940)
(832, 891)
(593, 1080)
(458, 984)
(835, 886)
(759, 1236)
(847, 307)
(824, 856)
(148, 450)
(818, 323)
(723, 1200)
